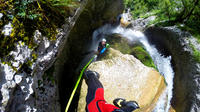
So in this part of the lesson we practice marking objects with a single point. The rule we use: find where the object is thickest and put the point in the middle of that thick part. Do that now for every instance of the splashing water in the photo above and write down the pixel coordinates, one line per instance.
(162, 63)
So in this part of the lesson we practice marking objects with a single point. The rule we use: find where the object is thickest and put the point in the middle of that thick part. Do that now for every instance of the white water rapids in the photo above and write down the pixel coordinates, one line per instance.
(162, 63)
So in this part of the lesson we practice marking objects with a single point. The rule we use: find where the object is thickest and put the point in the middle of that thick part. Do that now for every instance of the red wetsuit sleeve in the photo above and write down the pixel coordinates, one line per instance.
(105, 107)
(98, 104)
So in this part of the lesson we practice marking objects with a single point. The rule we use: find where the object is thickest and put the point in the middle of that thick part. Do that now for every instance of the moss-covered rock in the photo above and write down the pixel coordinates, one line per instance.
(27, 16)
(30, 49)
(120, 43)
(140, 53)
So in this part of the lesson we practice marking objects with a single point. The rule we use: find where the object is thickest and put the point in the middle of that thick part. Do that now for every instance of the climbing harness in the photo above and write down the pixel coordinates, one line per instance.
(77, 83)
(80, 76)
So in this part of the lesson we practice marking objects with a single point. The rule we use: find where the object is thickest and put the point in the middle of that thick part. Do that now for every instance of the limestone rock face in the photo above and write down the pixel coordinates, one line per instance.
(126, 77)
(25, 83)
(40, 85)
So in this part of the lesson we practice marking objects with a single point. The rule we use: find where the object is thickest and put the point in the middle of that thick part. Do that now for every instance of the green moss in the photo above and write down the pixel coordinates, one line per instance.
(196, 53)
(140, 53)
(118, 42)
(30, 15)
(193, 28)
(29, 63)
(122, 44)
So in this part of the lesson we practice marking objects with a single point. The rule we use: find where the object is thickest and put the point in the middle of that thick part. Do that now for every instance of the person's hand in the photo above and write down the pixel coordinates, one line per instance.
(107, 45)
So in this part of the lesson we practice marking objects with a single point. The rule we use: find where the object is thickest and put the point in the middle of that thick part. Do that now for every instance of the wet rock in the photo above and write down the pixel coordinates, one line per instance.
(135, 48)
(125, 19)
(141, 23)
(121, 77)
(172, 41)
(25, 84)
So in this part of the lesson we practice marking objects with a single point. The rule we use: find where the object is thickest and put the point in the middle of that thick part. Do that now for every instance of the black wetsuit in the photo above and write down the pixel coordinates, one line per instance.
(100, 47)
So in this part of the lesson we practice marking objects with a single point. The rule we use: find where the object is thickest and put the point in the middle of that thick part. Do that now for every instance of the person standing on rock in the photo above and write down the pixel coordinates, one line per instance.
(95, 97)
(102, 46)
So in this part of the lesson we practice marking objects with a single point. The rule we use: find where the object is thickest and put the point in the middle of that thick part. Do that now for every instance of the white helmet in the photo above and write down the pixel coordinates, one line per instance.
(103, 40)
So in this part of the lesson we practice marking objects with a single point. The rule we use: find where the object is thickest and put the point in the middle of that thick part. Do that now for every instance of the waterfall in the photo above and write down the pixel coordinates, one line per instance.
(162, 63)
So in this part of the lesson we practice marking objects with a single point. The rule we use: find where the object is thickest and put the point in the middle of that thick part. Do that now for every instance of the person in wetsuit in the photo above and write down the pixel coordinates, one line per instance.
(95, 97)
(102, 46)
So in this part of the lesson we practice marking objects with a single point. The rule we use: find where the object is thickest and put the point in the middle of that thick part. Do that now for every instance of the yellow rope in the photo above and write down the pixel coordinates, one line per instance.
(77, 83)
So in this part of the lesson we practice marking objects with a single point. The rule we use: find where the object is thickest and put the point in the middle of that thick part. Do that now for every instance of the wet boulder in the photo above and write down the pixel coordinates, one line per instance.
(184, 49)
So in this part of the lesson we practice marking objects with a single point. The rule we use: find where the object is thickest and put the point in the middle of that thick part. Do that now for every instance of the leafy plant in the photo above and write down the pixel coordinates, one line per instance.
(22, 9)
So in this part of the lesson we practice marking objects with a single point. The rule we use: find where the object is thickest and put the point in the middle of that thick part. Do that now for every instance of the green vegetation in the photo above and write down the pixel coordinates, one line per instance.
(196, 53)
(140, 53)
(168, 12)
(171, 10)
(183, 13)
(119, 43)
(27, 16)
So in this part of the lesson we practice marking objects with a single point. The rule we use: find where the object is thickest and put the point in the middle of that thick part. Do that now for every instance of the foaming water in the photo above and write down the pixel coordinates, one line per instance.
(99, 34)
(162, 63)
